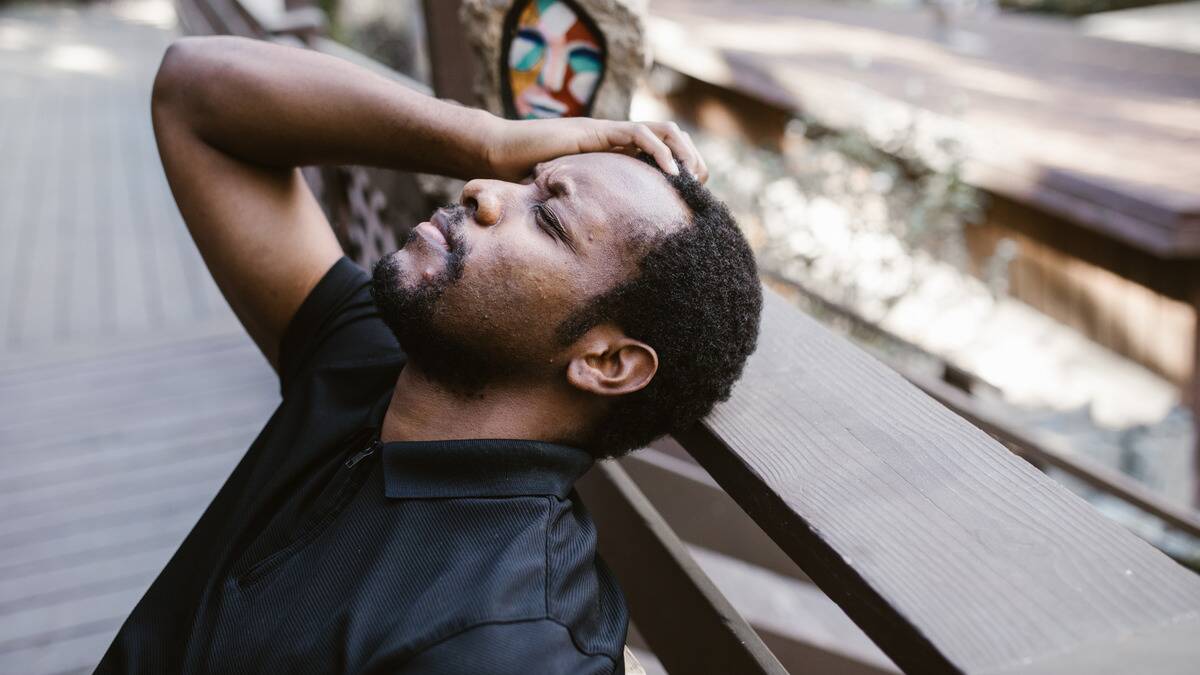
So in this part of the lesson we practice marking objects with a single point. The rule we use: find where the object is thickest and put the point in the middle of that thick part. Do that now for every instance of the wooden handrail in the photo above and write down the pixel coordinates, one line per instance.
(950, 552)
(1038, 448)
(1043, 449)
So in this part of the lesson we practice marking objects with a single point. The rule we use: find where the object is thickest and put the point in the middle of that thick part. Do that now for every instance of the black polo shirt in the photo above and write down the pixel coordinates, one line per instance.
(327, 551)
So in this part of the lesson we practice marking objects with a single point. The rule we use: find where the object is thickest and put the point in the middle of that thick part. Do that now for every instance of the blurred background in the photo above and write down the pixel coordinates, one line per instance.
(999, 199)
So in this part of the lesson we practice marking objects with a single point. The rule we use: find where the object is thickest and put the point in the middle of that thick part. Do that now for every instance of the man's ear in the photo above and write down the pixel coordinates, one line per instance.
(606, 362)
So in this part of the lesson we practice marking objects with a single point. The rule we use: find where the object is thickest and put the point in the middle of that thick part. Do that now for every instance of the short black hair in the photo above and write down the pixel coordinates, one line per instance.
(696, 299)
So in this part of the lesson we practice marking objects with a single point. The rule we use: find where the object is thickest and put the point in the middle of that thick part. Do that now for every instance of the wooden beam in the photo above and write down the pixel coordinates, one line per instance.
(688, 623)
(452, 68)
(950, 552)
(1163, 650)
(700, 512)
(1035, 448)
(1192, 397)
(1044, 451)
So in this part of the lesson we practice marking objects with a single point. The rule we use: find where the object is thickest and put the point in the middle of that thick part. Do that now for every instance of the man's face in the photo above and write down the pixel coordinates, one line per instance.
(479, 291)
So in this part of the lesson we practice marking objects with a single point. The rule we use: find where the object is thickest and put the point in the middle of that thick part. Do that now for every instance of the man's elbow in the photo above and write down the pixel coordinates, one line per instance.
(178, 67)
(189, 68)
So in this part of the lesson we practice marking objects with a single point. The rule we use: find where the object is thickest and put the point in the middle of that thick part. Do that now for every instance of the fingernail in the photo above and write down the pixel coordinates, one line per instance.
(674, 168)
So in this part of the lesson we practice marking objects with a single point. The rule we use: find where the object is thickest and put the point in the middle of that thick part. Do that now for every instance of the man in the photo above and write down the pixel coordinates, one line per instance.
(409, 506)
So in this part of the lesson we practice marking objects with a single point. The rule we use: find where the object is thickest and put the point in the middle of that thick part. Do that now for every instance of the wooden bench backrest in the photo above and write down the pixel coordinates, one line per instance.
(949, 551)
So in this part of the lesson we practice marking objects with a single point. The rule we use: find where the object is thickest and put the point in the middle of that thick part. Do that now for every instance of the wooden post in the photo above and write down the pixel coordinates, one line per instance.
(1192, 395)
(451, 63)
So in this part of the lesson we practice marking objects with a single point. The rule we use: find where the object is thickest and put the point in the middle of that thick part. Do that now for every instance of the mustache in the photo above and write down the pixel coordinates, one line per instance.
(455, 216)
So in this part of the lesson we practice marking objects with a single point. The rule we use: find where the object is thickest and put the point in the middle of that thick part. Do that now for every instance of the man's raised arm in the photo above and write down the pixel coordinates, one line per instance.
(235, 117)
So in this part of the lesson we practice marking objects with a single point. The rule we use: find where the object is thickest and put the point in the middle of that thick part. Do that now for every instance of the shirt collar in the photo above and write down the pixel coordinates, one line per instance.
(476, 467)
(480, 468)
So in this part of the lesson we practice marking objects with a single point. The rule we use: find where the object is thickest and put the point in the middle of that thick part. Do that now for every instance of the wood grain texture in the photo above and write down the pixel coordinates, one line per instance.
(109, 459)
(949, 551)
(1043, 449)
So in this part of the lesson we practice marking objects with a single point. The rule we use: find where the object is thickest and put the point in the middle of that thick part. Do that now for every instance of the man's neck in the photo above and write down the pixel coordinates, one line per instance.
(423, 410)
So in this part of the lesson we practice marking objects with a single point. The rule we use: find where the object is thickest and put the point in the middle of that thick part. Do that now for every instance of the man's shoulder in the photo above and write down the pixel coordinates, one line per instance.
(337, 327)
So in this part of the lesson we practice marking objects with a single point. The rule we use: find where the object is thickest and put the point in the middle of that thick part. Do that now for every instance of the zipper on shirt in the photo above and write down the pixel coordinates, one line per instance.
(362, 454)
(342, 497)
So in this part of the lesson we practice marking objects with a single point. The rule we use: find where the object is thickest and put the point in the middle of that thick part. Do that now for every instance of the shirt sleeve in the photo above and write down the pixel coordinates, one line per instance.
(337, 322)
(514, 648)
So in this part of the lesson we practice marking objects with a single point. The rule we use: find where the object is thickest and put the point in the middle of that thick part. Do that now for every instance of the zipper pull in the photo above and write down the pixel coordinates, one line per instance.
(362, 454)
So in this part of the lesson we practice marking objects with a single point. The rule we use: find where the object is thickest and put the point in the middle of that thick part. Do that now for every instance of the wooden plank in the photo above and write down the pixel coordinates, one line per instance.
(20, 178)
(90, 417)
(163, 373)
(29, 313)
(804, 629)
(1044, 450)
(82, 301)
(700, 512)
(159, 509)
(121, 390)
(63, 655)
(189, 470)
(951, 553)
(131, 352)
(131, 286)
(145, 559)
(1165, 650)
(42, 524)
(120, 460)
(452, 68)
(674, 604)
(89, 540)
(1038, 448)
(53, 469)
(154, 543)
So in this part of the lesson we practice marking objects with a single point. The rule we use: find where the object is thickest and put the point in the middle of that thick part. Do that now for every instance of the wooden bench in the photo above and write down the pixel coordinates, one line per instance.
(950, 552)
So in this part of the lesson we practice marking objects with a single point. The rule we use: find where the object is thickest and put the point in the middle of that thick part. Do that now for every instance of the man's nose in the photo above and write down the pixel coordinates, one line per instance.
(484, 199)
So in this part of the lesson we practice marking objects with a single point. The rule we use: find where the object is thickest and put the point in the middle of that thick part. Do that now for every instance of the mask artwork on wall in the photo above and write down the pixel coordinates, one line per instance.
(552, 60)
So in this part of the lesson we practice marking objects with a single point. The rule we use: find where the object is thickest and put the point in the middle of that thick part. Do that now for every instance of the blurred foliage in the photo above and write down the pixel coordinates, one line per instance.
(860, 227)
(1077, 7)
(388, 31)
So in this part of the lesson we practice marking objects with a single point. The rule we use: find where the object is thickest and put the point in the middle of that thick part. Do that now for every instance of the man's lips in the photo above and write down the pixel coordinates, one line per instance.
(433, 235)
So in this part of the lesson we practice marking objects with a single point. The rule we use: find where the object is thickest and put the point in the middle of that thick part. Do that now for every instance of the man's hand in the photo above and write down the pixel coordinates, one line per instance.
(516, 146)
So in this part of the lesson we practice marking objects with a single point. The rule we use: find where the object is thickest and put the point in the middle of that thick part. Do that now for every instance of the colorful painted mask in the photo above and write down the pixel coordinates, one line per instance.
(553, 60)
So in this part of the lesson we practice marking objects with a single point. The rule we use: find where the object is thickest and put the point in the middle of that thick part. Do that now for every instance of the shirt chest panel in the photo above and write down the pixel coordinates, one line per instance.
(394, 571)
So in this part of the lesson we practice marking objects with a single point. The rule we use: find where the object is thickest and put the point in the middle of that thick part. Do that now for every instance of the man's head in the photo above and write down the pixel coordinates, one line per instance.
(628, 292)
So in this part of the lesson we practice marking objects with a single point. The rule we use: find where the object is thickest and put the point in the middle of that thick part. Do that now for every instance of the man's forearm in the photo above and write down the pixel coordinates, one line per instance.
(278, 106)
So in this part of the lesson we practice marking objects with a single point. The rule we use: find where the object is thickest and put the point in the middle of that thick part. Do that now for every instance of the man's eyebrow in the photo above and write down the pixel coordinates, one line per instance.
(565, 188)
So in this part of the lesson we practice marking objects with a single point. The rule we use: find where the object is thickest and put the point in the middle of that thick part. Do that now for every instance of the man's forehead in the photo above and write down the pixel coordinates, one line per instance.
(616, 186)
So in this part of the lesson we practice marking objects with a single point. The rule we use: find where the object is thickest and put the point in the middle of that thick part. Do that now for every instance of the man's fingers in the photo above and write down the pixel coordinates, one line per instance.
(651, 143)
(641, 137)
(681, 144)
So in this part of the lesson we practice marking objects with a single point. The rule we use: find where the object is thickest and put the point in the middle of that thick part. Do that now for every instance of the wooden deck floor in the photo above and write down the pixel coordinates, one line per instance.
(93, 246)
(127, 389)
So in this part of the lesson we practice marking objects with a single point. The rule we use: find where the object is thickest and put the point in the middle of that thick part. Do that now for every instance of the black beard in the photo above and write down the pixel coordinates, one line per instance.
(410, 313)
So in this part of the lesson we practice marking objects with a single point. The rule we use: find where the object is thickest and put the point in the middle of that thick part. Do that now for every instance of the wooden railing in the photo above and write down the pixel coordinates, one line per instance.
(949, 551)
